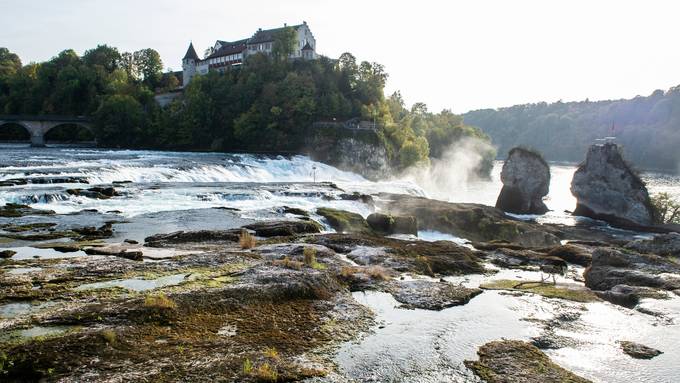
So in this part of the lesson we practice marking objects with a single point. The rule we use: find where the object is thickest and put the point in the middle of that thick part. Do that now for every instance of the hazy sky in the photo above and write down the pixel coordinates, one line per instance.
(459, 55)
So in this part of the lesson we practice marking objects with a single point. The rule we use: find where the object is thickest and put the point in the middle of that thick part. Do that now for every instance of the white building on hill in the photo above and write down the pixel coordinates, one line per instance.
(224, 53)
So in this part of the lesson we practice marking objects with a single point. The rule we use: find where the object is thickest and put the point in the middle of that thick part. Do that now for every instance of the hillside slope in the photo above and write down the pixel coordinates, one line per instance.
(647, 127)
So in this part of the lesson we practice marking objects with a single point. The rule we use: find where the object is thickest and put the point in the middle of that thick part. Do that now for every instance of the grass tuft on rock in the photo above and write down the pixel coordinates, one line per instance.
(246, 240)
(109, 336)
(159, 301)
(309, 254)
(547, 290)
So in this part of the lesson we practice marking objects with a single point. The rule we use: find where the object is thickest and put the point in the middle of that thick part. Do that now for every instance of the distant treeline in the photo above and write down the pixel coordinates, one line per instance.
(267, 104)
(647, 127)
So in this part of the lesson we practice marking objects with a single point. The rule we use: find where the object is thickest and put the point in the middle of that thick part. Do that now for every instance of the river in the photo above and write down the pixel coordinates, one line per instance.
(167, 191)
(164, 181)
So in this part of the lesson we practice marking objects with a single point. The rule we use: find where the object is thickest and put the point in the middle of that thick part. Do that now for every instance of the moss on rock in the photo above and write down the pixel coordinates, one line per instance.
(575, 293)
(516, 361)
(344, 221)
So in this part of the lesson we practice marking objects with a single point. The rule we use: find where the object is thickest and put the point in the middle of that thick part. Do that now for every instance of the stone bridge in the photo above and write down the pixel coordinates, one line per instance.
(38, 125)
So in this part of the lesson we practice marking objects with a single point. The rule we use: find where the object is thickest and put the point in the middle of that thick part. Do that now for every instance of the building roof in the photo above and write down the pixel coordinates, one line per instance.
(228, 48)
(268, 35)
(307, 47)
(191, 53)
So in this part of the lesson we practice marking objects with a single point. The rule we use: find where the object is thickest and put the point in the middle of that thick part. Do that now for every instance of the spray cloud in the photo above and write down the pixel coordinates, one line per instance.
(451, 177)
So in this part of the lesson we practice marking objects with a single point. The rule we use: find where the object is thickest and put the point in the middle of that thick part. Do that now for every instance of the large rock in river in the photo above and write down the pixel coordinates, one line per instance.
(474, 222)
(526, 179)
(611, 267)
(607, 188)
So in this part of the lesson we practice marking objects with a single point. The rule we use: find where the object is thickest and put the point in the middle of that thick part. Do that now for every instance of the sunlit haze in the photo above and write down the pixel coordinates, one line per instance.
(456, 55)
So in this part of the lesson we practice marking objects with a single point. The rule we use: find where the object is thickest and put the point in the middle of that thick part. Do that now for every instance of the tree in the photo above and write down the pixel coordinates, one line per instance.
(168, 82)
(284, 43)
(666, 208)
(149, 65)
(144, 65)
(414, 152)
(119, 121)
(9, 63)
(103, 55)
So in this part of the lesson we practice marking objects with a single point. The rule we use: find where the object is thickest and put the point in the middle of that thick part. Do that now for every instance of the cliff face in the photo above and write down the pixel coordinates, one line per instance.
(606, 188)
(526, 180)
(358, 151)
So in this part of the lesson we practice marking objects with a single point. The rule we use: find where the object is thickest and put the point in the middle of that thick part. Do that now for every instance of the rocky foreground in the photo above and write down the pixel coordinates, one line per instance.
(271, 300)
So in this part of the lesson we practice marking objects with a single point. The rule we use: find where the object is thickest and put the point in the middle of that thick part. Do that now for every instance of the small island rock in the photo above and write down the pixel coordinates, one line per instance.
(607, 188)
(526, 180)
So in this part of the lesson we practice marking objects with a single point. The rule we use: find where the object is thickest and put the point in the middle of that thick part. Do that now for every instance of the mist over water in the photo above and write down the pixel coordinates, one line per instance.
(448, 178)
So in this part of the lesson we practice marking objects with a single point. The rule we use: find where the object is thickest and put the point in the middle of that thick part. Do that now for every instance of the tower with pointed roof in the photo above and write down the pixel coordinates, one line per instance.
(189, 62)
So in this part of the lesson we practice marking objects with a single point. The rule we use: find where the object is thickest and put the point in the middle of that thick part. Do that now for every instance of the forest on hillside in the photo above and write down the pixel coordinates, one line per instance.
(268, 104)
(647, 127)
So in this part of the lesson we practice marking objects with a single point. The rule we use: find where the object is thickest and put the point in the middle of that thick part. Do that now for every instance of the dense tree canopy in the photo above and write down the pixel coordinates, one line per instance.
(647, 127)
(269, 103)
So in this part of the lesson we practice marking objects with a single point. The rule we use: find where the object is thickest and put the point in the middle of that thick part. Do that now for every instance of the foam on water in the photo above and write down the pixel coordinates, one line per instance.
(164, 181)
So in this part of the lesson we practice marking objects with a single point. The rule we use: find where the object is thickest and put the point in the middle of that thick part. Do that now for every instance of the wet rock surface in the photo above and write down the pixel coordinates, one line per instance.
(526, 179)
(161, 240)
(95, 192)
(7, 253)
(516, 361)
(611, 267)
(663, 244)
(345, 221)
(430, 295)
(388, 225)
(17, 210)
(639, 351)
(284, 228)
(472, 221)
(607, 188)
(428, 258)
(579, 255)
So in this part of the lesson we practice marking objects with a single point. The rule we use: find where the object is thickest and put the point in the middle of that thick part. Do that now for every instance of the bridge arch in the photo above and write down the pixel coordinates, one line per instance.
(50, 131)
(39, 125)
(4, 128)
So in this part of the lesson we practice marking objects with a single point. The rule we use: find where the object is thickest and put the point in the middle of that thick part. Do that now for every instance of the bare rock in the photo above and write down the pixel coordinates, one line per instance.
(388, 224)
(639, 351)
(284, 228)
(611, 267)
(662, 244)
(607, 188)
(6, 254)
(572, 254)
(513, 361)
(429, 295)
(474, 222)
(162, 240)
(526, 179)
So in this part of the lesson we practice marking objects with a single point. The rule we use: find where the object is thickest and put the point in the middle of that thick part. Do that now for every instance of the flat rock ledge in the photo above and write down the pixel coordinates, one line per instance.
(429, 295)
(513, 361)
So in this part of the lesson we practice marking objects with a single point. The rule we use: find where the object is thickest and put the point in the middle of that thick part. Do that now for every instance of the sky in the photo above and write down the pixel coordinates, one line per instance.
(457, 55)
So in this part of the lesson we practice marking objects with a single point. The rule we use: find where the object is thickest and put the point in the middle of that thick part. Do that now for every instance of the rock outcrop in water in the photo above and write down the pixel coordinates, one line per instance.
(467, 220)
(639, 351)
(607, 188)
(516, 361)
(388, 224)
(357, 150)
(623, 277)
(526, 180)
